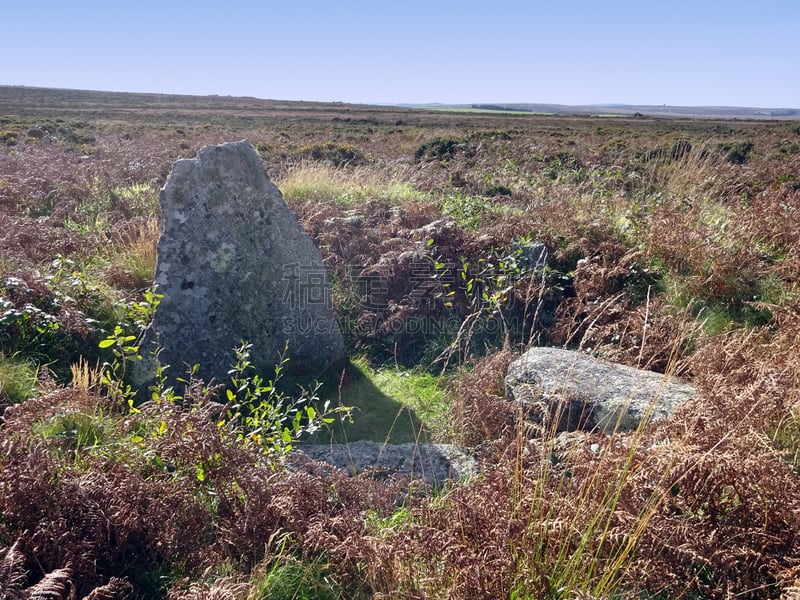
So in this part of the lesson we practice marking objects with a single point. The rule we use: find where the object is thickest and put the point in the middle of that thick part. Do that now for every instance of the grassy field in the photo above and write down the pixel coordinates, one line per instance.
(674, 247)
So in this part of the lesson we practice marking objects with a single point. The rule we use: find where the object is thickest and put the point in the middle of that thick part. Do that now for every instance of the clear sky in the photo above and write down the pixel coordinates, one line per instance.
(677, 52)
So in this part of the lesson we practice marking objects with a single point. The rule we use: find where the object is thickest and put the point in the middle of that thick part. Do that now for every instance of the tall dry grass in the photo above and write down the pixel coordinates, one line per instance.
(322, 182)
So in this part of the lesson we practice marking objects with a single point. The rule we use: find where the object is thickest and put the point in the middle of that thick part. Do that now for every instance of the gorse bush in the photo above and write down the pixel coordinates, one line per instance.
(439, 148)
(736, 152)
(9, 138)
(336, 154)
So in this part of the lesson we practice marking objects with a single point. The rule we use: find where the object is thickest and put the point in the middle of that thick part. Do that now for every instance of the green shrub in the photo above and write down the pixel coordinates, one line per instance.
(339, 155)
(497, 190)
(466, 210)
(736, 152)
(261, 414)
(562, 163)
(439, 148)
(9, 138)
(69, 134)
(787, 148)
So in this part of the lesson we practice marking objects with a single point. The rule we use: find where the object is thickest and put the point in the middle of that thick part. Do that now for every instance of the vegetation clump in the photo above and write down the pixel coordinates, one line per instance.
(338, 155)
(736, 152)
(439, 148)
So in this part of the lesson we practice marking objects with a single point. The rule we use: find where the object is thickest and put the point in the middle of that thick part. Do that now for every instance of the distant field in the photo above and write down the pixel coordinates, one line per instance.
(700, 112)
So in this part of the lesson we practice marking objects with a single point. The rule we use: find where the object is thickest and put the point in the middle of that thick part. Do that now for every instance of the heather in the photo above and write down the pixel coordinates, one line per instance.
(673, 247)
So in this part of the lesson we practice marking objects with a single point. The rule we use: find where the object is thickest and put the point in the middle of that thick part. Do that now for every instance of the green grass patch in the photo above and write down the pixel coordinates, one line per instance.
(18, 379)
(295, 579)
(76, 433)
(389, 405)
(325, 183)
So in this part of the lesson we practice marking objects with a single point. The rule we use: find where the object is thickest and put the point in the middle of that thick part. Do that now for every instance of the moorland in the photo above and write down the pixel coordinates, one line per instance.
(673, 247)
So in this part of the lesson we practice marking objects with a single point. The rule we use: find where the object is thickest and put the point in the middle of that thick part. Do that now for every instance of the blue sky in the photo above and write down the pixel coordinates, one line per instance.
(678, 52)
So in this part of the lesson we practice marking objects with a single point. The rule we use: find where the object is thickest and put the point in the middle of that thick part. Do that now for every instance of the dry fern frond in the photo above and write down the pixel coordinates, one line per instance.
(12, 568)
(224, 588)
(116, 589)
(56, 585)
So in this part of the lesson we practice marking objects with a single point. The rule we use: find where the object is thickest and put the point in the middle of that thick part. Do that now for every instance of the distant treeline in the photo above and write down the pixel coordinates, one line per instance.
(499, 107)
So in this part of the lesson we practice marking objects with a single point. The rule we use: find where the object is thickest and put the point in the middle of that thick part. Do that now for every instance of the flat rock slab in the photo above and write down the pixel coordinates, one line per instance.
(436, 463)
(586, 393)
(234, 265)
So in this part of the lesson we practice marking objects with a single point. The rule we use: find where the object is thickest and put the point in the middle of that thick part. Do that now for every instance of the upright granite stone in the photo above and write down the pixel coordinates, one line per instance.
(234, 264)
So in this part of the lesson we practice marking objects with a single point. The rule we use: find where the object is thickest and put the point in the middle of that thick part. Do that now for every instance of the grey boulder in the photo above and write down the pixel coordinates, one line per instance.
(571, 391)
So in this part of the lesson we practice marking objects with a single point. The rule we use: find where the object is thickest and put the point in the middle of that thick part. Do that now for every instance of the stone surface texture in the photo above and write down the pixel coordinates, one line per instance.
(586, 393)
(234, 264)
(435, 463)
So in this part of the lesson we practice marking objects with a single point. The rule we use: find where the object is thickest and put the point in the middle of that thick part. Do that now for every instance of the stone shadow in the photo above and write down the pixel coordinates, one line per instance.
(377, 417)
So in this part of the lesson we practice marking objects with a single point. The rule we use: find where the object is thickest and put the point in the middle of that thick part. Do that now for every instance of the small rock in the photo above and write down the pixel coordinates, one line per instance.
(435, 463)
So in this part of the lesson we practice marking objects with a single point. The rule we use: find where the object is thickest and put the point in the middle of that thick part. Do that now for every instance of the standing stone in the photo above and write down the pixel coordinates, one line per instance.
(234, 264)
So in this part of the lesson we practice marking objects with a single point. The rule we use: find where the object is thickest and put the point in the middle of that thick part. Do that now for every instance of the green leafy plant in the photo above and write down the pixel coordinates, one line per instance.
(262, 414)
(124, 347)
(468, 211)
(490, 288)
(125, 351)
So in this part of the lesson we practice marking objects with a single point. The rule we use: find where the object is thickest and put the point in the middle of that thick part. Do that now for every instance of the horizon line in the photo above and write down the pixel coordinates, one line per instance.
(467, 104)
